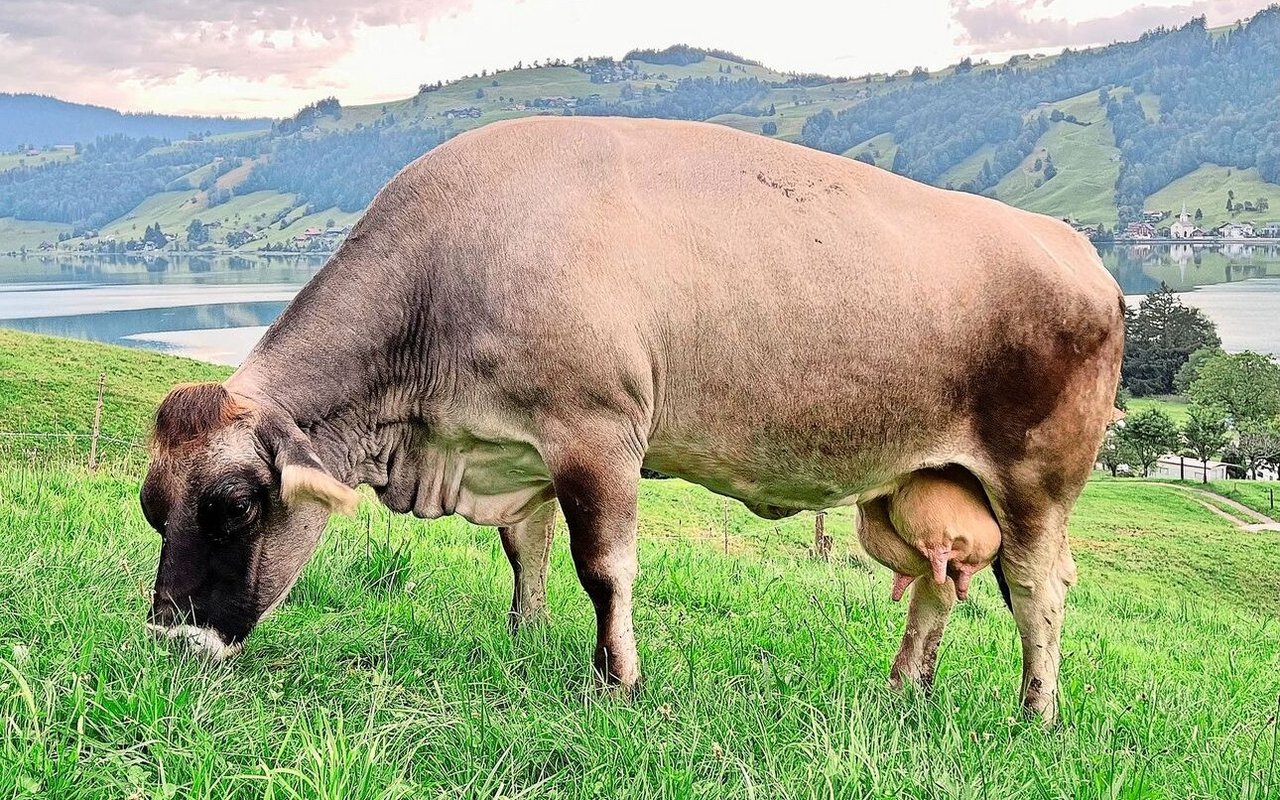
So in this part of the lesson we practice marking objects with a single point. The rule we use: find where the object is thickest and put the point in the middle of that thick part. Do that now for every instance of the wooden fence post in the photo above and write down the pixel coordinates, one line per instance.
(821, 541)
(724, 523)
(97, 424)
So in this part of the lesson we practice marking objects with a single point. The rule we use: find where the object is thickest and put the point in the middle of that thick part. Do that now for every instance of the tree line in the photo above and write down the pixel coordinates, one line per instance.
(1234, 411)
(1216, 98)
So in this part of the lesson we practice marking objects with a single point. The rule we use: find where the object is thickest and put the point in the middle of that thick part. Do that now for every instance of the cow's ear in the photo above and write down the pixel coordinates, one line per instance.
(300, 483)
(303, 476)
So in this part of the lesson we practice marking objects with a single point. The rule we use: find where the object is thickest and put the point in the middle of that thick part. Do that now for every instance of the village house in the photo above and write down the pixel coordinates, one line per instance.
(1236, 230)
(1139, 230)
(1271, 230)
(461, 113)
(311, 232)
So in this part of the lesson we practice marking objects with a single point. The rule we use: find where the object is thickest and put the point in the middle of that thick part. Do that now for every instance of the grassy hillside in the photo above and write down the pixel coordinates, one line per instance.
(1206, 189)
(1086, 158)
(389, 671)
(977, 127)
(16, 234)
(881, 148)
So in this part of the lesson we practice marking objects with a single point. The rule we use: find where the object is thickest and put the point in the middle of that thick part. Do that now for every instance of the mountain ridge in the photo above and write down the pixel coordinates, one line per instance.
(1085, 135)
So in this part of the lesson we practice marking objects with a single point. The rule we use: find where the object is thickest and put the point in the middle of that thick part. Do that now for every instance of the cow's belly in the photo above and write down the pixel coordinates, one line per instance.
(774, 491)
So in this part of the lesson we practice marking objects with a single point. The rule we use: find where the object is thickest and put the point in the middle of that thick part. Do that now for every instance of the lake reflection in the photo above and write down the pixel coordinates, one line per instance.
(1140, 268)
(211, 308)
(215, 308)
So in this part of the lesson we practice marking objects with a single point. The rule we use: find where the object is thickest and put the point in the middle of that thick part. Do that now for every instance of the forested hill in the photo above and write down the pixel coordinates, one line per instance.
(35, 120)
(1180, 116)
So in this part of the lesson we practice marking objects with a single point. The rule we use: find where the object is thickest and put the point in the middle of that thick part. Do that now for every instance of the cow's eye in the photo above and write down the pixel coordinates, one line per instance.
(239, 508)
(229, 509)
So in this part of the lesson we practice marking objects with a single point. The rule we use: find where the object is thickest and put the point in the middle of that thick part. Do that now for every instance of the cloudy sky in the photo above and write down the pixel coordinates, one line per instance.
(248, 57)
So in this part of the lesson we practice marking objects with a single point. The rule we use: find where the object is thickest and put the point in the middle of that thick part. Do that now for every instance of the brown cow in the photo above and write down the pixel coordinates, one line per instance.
(538, 309)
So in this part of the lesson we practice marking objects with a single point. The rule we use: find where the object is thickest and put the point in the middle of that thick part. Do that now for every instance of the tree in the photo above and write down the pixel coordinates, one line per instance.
(1049, 169)
(770, 128)
(197, 233)
(1189, 371)
(1160, 335)
(1256, 443)
(1206, 433)
(1148, 435)
(155, 236)
(1244, 386)
(1199, 215)
(1114, 451)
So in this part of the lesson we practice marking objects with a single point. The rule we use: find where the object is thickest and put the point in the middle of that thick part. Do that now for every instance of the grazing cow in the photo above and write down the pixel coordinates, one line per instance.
(538, 309)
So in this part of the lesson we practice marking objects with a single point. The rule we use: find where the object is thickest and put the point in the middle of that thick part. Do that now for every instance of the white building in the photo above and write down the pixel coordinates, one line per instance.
(1236, 230)
(1191, 469)
(1184, 228)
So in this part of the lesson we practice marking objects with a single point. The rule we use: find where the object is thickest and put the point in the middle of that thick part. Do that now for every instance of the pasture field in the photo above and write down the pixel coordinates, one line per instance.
(1206, 189)
(1082, 151)
(390, 672)
(1175, 406)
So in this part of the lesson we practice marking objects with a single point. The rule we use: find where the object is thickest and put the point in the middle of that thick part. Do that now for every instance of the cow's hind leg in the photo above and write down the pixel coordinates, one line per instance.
(528, 548)
(598, 498)
(930, 603)
(1038, 568)
(926, 620)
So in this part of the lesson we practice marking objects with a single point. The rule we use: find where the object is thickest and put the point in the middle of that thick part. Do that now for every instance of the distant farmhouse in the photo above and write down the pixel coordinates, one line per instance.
(1139, 230)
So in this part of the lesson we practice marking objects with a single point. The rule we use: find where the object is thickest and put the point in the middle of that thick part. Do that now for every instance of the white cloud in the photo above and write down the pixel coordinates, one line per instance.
(252, 57)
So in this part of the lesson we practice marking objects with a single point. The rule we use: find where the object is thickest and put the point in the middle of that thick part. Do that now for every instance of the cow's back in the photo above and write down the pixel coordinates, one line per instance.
(789, 323)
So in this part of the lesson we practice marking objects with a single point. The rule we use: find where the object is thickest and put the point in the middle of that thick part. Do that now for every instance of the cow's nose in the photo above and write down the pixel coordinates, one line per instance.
(164, 612)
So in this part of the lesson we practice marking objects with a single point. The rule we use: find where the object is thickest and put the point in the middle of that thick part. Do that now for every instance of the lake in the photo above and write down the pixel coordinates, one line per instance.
(211, 308)
(215, 308)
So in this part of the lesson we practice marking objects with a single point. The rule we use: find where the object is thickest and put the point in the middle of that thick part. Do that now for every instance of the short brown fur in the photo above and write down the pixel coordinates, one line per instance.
(191, 412)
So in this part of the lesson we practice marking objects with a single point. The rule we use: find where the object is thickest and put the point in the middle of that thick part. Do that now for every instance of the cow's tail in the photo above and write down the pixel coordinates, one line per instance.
(998, 570)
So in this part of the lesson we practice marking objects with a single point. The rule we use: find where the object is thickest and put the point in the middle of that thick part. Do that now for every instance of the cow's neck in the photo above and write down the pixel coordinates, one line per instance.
(333, 369)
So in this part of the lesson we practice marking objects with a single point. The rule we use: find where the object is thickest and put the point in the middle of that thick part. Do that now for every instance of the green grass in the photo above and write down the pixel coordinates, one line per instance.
(882, 149)
(1174, 405)
(1084, 188)
(968, 169)
(389, 672)
(1206, 189)
(1254, 494)
(17, 234)
(14, 160)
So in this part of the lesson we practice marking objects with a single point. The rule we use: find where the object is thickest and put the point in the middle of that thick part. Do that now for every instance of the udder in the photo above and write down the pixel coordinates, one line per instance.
(936, 525)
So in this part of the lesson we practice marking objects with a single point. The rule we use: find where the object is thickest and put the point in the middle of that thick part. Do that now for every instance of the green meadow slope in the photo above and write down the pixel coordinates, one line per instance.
(1087, 162)
(390, 673)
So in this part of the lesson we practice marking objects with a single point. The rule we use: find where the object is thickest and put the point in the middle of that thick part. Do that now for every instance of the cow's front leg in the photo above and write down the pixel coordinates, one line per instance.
(598, 499)
(926, 620)
(528, 548)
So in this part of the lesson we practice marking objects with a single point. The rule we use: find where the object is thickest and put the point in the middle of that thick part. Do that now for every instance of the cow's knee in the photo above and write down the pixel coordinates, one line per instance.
(528, 548)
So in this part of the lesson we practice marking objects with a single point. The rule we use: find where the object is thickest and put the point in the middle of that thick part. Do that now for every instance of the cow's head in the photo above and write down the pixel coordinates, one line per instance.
(239, 498)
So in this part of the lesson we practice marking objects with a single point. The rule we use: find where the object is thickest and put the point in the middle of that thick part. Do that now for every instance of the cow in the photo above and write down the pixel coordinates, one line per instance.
(537, 310)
